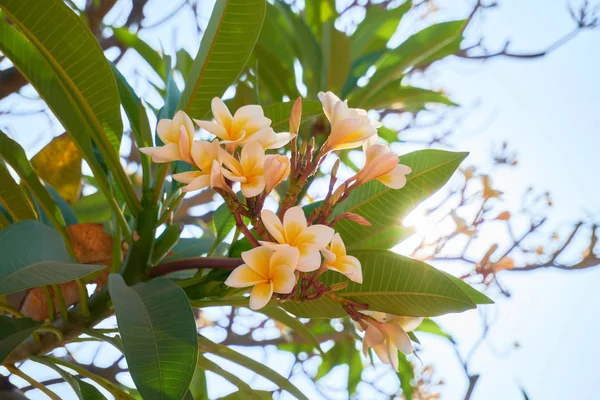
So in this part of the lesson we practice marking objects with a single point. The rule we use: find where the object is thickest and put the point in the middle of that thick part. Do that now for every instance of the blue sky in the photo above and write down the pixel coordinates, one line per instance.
(548, 111)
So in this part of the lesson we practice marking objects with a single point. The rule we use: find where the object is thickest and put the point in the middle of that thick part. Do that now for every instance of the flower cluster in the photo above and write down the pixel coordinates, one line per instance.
(289, 251)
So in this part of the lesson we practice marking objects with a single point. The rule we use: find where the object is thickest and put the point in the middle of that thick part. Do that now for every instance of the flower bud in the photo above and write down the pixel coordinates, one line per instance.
(296, 116)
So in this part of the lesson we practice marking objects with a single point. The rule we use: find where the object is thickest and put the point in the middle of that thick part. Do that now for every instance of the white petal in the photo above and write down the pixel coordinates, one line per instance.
(167, 153)
(273, 225)
(396, 179)
(259, 259)
(187, 177)
(213, 128)
(253, 186)
(283, 279)
(166, 132)
(318, 235)
(294, 222)
(398, 338)
(287, 256)
(260, 296)
(201, 182)
(310, 258)
(243, 276)
(221, 113)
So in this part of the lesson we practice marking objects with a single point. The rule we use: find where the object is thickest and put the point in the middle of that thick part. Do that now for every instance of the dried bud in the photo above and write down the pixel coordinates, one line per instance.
(504, 216)
(296, 116)
(359, 219)
(335, 168)
(277, 169)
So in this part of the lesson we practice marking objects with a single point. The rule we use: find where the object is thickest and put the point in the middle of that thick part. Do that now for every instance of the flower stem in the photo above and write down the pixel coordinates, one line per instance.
(15, 371)
(83, 299)
(61, 302)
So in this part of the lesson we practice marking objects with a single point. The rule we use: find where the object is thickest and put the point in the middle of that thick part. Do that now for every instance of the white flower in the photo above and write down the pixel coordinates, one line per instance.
(336, 259)
(177, 135)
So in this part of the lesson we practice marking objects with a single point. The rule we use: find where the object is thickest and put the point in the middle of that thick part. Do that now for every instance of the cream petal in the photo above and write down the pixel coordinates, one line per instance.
(396, 179)
(382, 353)
(318, 235)
(252, 158)
(201, 182)
(232, 177)
(277, 140)
(259, 259)
(370, 142)
(373, 336)
(260, 296)
(165, 131)
(276, 170)
(273, 225)
(167, 153)
(221, 113)
(187, 177)
(329, 257)
(253, 186)
(328, 100)
(273, 246)
(243, 276)
(310, 258)
(349, 266)
(287, 256)
(392, 354)
(230, 162)
(409, 324)
(181, 119)
(396, 335)
(294, 222)
(213, 128)
(283, 279)
(264, 136)
(216, 178)
(185, 146)
(337, 246)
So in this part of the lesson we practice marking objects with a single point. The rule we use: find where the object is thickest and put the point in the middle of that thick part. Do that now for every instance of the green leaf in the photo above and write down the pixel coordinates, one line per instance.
(224, 222)
(406, 374)
(336, 57)
(420, 49)
(243, 387)
(385, 208)
(198, 385)
(225, 47)
(64, 207)
(132, 40)
(184, 62)
(429, 326)
(256, 394)
(159, 335)
(92, 208)
(279, 113)
(13, 331)
(407, 98)
(476, 296)
(15, 156)
(292, 322)
(261, 369)
(376, 30)
(166, 242)
(393, 284)
(59, 98)
(189, 248)
(83, 390)
(33, 255)
(13, 198)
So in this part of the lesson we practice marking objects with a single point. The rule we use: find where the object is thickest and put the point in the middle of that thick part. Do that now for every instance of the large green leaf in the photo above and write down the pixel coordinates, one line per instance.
(92, 208)
(336, 58)
(253, 365)
(279, 113)
(13, 331)
(159, 336)
(15, 156)
(420, 49)
(33, 255)
(393, 284)
(378, 27)
(68, 56)
(408, 98)
(385, 208)
(13, 198)
(225, 47)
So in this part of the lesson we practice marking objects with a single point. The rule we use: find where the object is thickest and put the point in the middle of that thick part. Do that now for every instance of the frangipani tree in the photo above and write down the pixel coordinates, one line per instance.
(296, 257)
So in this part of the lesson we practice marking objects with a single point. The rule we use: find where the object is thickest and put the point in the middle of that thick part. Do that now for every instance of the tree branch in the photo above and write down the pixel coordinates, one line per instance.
(196, 263)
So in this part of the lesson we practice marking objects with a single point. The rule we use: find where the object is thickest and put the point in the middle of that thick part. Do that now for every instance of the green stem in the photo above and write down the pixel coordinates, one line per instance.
(15, 371)
(105, 383)
(117, 253)
(10, 310)
(53, 329)
(49, 304)
(115, 341)
(83, 299)
(64, 314)
(161, 174)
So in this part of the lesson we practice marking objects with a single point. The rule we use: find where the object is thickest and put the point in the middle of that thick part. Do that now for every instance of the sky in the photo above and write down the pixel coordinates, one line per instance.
(547, 110)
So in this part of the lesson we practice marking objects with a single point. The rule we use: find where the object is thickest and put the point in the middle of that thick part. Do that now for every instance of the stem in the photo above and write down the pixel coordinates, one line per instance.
(196, 263)
(10, 310)
(105, 383)
(161, 174)
(61, 302)
(50, 304)
(14, 370)
(240, 223)
(53, 329)
(83, 298)
(117, 253)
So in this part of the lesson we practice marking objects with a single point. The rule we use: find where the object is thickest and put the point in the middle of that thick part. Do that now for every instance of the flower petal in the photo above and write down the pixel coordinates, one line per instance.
(187, 177)
(348, 266)
(337, 246)
(287, 256)
(221, 113)
(253, 159)
(167, 153)
(318, 235)
(398, 337)
(283, 279)
(165, 131)
(273, 225)
(259, 260)
(260, 296)
(396, 179)
(310, 258)
(199, 183)
(253, 186)
(244, 276)
(409, 324)
(213, 128)
(294, 222)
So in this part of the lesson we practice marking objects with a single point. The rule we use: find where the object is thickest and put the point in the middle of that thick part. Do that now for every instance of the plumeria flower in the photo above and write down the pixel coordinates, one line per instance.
(249, 170)
(350, 127)
(217, 181)
(277, 169)
(337, 260)
(177, 135)
(382, 164)
(386, 334)
(269, 271)
(271, 140)
(203, 155)
(309, 240)
(248, 123)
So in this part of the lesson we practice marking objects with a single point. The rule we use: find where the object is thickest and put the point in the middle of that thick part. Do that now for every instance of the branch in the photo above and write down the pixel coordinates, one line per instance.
(196, 263)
